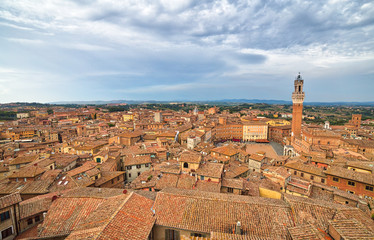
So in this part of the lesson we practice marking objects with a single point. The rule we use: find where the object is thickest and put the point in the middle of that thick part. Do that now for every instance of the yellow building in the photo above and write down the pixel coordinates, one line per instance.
(189, 161)
(255, 131)
(127, 117)
(278, 122)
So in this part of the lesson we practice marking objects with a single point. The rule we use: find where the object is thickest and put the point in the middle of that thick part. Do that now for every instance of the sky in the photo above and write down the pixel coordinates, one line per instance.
(74, 50)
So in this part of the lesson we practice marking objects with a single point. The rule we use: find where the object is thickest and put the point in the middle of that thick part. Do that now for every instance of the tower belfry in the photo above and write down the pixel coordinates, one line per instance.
(297, 107)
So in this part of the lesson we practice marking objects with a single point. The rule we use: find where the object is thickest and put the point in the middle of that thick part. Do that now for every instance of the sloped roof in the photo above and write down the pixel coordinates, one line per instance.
(9, 200)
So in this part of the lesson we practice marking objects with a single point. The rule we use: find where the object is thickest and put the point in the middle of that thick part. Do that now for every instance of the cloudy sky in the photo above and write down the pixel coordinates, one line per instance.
(53, 50)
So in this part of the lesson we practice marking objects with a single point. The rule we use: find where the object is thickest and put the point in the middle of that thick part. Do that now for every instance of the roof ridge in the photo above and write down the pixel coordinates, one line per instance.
(115, 213)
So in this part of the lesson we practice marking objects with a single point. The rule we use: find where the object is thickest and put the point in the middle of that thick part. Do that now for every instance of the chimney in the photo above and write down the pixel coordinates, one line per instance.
(238, 228)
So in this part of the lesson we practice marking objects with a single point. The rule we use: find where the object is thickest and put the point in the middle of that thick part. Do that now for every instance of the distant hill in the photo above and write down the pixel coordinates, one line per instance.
(223, 102)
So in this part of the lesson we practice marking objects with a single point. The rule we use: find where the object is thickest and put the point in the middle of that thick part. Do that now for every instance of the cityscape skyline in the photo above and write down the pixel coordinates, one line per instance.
(185, 50)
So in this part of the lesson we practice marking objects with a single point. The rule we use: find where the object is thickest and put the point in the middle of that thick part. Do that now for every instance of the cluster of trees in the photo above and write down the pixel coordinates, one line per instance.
(4, 115)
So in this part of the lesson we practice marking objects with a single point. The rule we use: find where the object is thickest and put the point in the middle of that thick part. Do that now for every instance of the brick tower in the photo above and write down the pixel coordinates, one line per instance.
(297, 107)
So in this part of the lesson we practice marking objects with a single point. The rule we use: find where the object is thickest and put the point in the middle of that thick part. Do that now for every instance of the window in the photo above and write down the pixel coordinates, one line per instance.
(302, 174)
(112, 181)
(202, 177)
(37, 218)
(171, 234)
(350, 183)
(138, 166)
(147, 164)
(351, 192)
(369, 188)
(185, 165)
(118, 178)
(230, 190)
(322, 180)
(98, 160)
(29, 221)
(129, 175)
(139, 173)
(7, 232)
(197, 235)
(295, 172)
(4, 216)
(18, 166)
(129, 167)
(311, 177)
(335, 179)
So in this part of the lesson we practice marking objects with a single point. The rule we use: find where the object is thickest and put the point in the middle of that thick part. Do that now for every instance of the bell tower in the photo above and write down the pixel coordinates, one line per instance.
(297, 107)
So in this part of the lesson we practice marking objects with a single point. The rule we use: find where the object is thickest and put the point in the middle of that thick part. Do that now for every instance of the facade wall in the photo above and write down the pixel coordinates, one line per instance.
(159, 233)
(307, 176)
(267, 193)
(229, 131)
(231, 190)
(255, 166)
(253, 132)
(117, 182)
(133, 171)
(8, 223)
(30, 222)
(342, 184)
(192, 167)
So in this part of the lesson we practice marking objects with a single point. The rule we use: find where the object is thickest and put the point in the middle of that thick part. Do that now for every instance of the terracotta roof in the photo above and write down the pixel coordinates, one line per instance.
(305, 232)
(351, 229)
(133, 160)
(308, 211)
(207, 186)
(63, 160)
(28, 172)
(92, 172)
(84, 168)
(34, 206)
(233, 183)
(168, 168)
(10, 200)
(305, 168)
(361, 164)
(66, 213)
(210, 169)
(167, 180)
(227, 150)
(131, 134)
(24, 159)
(235, 169)
(256, 157)
(122, 217)
(190, 157)
(213, 212)
(186, 181)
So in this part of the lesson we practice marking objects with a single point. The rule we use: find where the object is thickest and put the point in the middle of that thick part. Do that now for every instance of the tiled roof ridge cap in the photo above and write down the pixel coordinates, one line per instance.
(114, 214)
(101, 228)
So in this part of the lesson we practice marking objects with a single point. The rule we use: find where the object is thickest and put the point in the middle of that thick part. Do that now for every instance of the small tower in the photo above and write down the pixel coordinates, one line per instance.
(297, 107)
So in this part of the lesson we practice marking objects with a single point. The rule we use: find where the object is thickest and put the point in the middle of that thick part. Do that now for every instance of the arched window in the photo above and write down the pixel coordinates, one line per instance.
(185, 165)
(299, 88)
